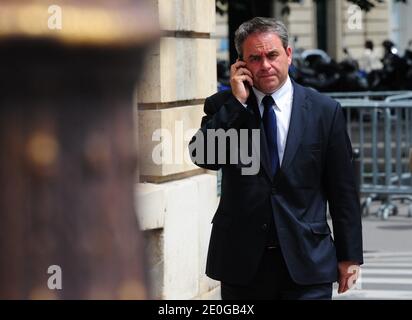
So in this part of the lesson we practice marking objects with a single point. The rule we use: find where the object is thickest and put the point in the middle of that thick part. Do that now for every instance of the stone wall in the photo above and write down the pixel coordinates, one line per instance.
(176, 200)
(301, 24)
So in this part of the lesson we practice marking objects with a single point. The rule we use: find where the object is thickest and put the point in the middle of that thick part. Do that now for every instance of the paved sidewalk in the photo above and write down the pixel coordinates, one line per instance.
(387, 271)
(384, 275)
(394, 234)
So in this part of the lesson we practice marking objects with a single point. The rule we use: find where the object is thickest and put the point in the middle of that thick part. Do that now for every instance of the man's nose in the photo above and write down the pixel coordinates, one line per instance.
(265, 64)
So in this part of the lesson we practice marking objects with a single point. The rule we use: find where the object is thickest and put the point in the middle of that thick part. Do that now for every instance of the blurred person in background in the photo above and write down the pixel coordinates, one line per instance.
(369, 60)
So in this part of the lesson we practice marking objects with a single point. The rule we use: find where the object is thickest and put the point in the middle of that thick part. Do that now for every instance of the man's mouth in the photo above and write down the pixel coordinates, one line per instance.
(267, 75)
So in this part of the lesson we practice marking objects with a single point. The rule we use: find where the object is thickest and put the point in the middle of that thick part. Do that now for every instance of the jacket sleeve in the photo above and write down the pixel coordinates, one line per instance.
(344, 205)
(231, 115)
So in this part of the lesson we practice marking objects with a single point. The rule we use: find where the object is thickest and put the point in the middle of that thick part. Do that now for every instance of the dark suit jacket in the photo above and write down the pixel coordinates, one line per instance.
(316, 169)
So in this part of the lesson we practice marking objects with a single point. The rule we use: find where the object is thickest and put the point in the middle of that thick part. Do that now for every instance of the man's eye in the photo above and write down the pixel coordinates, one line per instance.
(254, 59)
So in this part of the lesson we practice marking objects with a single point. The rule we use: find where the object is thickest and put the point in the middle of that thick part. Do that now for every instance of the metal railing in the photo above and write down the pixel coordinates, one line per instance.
(367, 95)
(381, 131)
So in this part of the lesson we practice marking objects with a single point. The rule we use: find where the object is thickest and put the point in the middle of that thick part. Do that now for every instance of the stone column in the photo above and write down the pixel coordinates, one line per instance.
(177, 199)
(335, 29)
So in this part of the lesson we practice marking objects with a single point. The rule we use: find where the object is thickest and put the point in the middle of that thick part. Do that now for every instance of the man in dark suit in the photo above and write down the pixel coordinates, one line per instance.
(270, 238)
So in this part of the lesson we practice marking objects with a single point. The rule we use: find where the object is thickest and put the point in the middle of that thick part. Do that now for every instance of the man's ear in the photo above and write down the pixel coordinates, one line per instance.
(289, 52)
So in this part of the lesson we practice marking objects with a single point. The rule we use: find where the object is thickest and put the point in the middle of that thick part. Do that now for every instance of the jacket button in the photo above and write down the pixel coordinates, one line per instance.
(264, 226)
(273, 190)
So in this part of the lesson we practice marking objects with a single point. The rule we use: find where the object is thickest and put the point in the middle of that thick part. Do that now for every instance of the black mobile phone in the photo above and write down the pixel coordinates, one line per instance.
(240, 57)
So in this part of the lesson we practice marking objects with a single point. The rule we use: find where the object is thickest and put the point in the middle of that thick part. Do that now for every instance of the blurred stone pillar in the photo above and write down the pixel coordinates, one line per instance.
(67, 149)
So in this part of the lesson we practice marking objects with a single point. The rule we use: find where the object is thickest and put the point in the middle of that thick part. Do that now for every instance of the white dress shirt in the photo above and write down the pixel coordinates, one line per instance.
(283, 98)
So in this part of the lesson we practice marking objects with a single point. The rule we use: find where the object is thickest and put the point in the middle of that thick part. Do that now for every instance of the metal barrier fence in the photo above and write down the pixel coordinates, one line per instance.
(367, 95)
(380, 127)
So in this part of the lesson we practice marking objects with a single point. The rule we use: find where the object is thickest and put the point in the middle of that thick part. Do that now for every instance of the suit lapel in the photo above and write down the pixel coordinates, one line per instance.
(262, 149)
(297, 125)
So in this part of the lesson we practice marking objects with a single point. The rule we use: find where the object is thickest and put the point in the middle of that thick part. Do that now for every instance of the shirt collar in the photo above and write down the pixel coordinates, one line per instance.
(278, 95)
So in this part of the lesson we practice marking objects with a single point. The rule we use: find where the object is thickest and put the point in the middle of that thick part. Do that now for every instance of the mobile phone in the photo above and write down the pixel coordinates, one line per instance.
(240, 57)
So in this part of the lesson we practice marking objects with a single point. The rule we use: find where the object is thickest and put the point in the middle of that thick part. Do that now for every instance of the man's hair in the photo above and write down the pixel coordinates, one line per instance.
(260, 25)
(369, 44)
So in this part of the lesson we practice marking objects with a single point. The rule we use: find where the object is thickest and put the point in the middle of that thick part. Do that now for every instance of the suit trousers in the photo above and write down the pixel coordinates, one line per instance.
(273, 282)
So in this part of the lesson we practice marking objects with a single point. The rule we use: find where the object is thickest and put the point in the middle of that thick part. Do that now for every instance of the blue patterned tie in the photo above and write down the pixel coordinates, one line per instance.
(269, 122)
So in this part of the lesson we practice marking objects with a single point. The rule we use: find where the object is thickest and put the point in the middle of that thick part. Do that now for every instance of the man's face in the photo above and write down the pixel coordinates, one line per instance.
(267, 60)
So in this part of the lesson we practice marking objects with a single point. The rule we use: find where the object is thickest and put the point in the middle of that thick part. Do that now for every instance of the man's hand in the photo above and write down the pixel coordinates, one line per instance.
(348, 274)
(239, 74)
